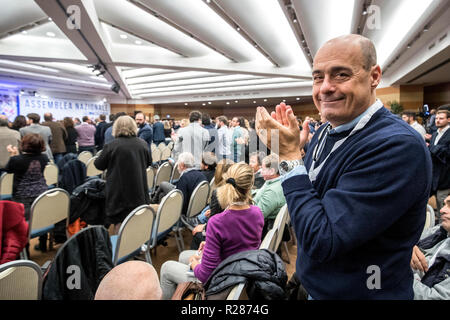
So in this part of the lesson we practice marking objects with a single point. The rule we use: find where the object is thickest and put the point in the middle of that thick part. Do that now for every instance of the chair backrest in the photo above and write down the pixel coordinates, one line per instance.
(269, 240)
(85, 156)
(212, 186)
(165, 154)
(156, 155)
(135, 231)
(91, 169)
(430, 218)
(152, 146)
(280, 222)
(20, 280)
(169, 212)
(161, 145)
(175, 173)
(163, 173)
(51, 172)
(238, 292)
(50, 207)
(170, 145)
(150, 177)
(6, 183)
(198, 199)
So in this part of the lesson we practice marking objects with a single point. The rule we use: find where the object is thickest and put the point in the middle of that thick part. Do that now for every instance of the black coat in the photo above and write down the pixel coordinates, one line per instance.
(88, 202)
(126, 160)
(89, 252)
(440, 155)
(262, 270)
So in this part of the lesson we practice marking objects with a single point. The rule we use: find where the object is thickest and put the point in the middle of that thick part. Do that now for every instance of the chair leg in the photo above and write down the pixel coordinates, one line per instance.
(148, 257)
(51, 240)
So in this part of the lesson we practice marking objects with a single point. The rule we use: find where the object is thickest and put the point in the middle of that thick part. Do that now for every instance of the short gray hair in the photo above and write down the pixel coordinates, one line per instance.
(187, 159)
(3, 121)
(271, 161)
(124, 126)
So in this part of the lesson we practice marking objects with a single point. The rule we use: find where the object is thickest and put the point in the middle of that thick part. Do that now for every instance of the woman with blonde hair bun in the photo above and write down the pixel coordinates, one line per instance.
(234, 230)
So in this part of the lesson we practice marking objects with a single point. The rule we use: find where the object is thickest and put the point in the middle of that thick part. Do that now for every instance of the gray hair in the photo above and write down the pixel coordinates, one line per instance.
(187, 159)
(3, 121)
(124, 126)
(271, 161)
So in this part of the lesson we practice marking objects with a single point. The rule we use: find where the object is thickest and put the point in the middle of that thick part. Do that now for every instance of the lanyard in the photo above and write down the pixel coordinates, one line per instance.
(313, 173)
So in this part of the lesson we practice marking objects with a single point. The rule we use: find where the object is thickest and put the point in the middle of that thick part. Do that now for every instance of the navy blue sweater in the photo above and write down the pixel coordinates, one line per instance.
(367, 207)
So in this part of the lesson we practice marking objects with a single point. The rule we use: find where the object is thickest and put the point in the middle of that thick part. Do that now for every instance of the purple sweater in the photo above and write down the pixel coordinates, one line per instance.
(229, 232)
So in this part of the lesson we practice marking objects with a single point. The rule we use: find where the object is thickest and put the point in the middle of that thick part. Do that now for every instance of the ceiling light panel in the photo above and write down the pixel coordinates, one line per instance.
(322, 20)
(141, 72)
(198, 19)
(274, 35)
(149, 27)
(218, 79)
(141, 81)
(17, 14)
(225, 84)
(397, 19)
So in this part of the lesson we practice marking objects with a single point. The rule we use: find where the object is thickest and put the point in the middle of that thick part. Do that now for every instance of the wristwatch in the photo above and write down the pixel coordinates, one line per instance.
(287, 165)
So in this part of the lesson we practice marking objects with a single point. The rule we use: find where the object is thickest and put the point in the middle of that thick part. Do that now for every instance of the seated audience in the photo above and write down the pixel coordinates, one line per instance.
(126, 158)
(255, 162)
(190, 177)
(431, 260)
(131, 280)
(270, 198)
(208, 165)
(236, 229)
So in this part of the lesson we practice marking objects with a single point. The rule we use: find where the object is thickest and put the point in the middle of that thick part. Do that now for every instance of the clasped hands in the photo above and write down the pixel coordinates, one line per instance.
(282, 124)
(13, 151)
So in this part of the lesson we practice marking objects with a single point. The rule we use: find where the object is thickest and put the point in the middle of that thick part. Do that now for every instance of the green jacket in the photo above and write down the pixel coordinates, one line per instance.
(270, 198)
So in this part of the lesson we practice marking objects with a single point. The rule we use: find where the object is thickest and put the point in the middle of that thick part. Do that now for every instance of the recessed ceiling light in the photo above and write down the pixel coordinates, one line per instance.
(186, 104)
(294, 21)
(209, 102)
(50, 34)
(24, 32)
(138, 42)
(123, 36)
(203, 104)
(284, 100)
(254, 101)
(238, 29)
(236, 101)
(228, 103)
(49, 19)
(297, 99)
(265, 100)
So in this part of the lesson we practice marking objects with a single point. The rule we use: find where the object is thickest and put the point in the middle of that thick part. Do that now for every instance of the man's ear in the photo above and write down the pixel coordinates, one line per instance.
(375, 76)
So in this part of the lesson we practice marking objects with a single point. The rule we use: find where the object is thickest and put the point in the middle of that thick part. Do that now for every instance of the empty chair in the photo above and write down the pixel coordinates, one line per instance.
(161, 146)
(51, 172)
(212, 186)
(6, 185)
(85, 156)
(165, 154)
(197, 202)
(163, 173)
(49, 208)
(135, 231)
(279, 225)
(269, 240)
(167, 216)
(156, 155)
(91, 169)
(150, 178)
(430, 218)
(175, 173)
(20, 280)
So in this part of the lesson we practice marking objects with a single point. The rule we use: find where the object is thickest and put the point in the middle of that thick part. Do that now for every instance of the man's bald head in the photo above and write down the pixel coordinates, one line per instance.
(367, 48)
(132, 280)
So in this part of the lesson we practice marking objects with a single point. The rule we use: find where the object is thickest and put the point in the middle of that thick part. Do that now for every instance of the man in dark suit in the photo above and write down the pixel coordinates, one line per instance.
(440, 155)
(158, 131)
(100, 132)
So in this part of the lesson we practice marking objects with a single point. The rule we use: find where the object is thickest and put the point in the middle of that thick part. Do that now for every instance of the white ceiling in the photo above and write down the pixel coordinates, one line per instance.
(177, 51)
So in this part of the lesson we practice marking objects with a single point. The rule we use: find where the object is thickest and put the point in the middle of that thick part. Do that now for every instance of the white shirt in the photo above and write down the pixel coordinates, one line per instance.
(419, 128)
(440, 133)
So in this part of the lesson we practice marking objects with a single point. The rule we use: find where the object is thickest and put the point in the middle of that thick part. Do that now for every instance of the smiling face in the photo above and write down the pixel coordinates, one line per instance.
(342, 87)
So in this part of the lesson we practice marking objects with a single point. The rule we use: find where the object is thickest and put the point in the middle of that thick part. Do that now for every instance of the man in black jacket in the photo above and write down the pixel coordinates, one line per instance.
(440, 155)
(100, 132)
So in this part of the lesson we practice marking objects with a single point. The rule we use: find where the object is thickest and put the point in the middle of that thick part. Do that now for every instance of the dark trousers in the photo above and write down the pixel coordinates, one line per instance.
(91, 149)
